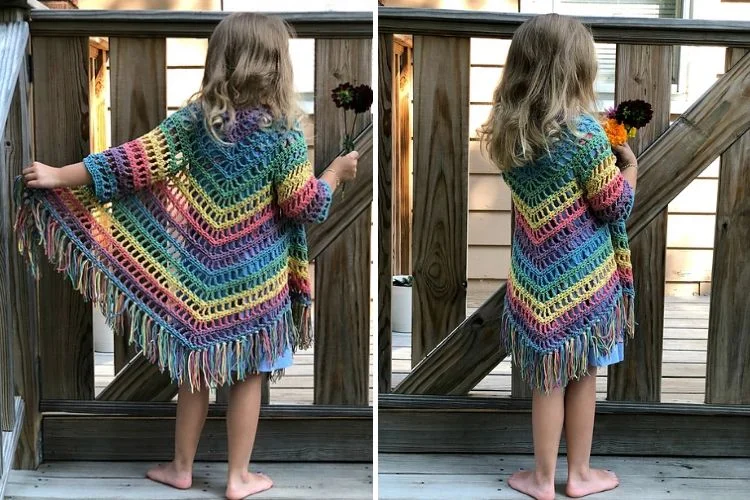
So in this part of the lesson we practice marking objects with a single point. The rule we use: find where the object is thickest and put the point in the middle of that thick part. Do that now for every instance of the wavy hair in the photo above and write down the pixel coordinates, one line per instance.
(247, 65)
(547, 82)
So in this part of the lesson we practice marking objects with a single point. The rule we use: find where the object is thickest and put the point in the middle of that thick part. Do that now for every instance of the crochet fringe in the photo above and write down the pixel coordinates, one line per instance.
(219, 364)
(569, 361)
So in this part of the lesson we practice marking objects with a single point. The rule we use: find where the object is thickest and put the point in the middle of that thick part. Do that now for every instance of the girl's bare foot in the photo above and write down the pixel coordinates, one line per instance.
(527, 482)
(249, 484)
(171, 475)
(593, 481)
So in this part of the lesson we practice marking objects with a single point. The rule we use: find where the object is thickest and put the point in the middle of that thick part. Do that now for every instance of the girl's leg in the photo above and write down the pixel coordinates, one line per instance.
(192, 409)
(547, 414)
(580, 406)
(242, 423)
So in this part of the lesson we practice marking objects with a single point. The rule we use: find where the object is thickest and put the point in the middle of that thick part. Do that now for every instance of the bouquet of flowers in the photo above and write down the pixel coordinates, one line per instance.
(350, 98)
(622, 122)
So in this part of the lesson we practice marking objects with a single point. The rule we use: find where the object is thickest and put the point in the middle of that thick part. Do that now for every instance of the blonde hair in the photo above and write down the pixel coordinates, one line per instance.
(547, 82)
(247, 65)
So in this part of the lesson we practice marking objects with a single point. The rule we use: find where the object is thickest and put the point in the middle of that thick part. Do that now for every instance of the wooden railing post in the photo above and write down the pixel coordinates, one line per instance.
(727, 379)
(386, 87)
(139, 103)
(61, 133)
(342, 271)
(644, 72)
(441, 178)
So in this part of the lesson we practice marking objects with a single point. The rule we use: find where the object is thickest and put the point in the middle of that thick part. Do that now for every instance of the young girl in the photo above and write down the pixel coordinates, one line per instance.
(569, 301)
(193, 235)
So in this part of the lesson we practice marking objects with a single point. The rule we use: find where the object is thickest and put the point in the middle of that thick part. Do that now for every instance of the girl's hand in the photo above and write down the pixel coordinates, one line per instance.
(42, 176)
(625, 155)
(346, 166)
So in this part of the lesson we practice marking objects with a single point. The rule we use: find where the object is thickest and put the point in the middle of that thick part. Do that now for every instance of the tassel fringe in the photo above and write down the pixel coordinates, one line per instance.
(223, 363)
(569, 361)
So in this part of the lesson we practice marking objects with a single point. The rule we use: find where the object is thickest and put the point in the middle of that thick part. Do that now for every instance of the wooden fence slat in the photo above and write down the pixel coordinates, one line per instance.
(645, 72)
(701, 134)
(386, 86)
(139, 103)
(727, 378)
(441, 177)
(61, 132)
(23, 295)
(342, 326)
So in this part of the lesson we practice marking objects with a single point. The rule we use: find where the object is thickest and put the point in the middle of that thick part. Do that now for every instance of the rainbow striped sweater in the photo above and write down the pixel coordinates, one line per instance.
(194, 248)
(570, 289)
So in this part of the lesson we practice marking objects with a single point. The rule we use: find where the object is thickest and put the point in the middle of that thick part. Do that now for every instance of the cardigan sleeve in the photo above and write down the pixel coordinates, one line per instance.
(300, 195)
(608, 194)
(139, 163)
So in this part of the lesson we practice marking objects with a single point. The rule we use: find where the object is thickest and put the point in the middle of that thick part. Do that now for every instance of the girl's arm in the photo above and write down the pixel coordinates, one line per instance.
(609, 194)
(300, 195)
(41, 176)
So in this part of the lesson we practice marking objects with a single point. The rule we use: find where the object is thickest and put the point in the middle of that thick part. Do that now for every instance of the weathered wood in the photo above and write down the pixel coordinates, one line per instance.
(285, 434)
(477, 24)
(427, 424)
(728, 360)
(446, 476)
(127, 481)
(20, 316)
(141, 381)
(401, 157)
(645, 72)
(346, 209)
(192, 24)
(386, 86)
(472, 350)
(441, 177)
(342, 324)
(139, 103)
(61, 131)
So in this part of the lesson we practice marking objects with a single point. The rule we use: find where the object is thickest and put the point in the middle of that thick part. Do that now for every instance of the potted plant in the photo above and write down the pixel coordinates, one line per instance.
(401, 304)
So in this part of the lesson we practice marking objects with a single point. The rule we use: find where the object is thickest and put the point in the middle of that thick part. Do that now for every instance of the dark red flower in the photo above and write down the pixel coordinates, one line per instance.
(635, 113)
(363, 97)
(343, 95)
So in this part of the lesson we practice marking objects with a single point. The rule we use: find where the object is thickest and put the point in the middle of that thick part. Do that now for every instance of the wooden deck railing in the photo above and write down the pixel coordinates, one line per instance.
(451, 352)
(14, 284)
(127, 415)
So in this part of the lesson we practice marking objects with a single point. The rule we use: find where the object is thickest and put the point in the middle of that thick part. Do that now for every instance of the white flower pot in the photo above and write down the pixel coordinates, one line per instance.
(103, 336)
(401, 308)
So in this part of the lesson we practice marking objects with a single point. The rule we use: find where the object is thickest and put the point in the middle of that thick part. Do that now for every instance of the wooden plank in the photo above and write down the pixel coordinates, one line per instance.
(645, 72)
(348, 208)
(343, 269)
(23, 323)
(605, 29)
(141, 381)
(139, 103)
(387, 72)
(9, 443)
(729, 322)
(427, 424)
(295, 438)
(441, 170)
(189, 24)
(471, 351)
(61, 129)
(126, 481)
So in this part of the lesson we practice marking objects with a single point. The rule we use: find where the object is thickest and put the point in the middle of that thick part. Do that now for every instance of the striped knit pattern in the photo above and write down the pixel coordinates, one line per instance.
(201, 244)
(570, 288)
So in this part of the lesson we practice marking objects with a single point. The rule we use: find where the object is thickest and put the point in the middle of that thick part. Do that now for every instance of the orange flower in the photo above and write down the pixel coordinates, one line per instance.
(615, 131)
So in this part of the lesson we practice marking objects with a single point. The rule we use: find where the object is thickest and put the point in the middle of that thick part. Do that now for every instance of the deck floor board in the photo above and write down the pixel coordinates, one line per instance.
(411, 476)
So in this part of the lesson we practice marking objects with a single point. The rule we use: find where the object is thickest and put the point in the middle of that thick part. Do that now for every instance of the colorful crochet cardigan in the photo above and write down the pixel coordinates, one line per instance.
(570, 288)
(194, 248)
